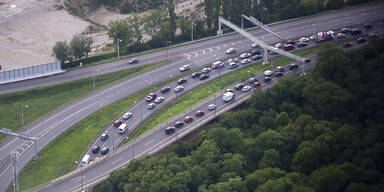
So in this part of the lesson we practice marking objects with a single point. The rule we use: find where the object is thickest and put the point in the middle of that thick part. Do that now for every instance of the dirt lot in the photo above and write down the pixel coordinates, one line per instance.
(30, 28)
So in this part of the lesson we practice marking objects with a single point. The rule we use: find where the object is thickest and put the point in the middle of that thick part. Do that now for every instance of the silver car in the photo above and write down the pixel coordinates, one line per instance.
(178, 88)
(159, 100)
(151, 105)
(246, 88)
(127, 115)
(211, 107)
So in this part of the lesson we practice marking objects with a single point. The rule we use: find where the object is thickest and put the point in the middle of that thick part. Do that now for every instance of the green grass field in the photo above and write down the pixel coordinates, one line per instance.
(43, 100)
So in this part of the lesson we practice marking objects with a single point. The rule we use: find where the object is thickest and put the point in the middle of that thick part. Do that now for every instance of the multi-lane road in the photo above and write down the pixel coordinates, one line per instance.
(197, 55)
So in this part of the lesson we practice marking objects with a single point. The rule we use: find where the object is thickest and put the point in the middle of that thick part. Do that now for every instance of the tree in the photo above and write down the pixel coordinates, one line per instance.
(159, 186)
(185, 27)
(61, 51)
(80, 46)
(233, 163)
(282, 119)
(260, 176)
(121, 30)
(271, 158)
(153, 22)
(172, 20)
(328, 179)
(307, 7)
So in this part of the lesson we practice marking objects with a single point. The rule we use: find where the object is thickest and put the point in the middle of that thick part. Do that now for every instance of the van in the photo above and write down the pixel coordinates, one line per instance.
(86, 159)
(123, 128)
(217, 64)
(228, 96)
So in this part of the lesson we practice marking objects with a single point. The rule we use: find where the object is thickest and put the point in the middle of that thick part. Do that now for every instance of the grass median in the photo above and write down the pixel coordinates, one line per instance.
(41, 101)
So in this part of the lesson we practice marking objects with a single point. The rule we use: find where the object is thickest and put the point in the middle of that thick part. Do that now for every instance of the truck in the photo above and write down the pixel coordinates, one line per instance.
(324, 36)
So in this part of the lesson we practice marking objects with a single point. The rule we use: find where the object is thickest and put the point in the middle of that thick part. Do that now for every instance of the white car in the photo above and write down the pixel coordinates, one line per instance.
(184, 68)
(151, 105)
(245, 55)
(228, 96)
(206, 70)
(245, 61)
(159, 100)
(232, 60)
(279, 46)
(217, 64)
(178, 88)
(268, 73)
(127, 115)
(340, 35)
(313, 37)
(211, 107)
(246, 88)
(304, 39)
(254, 45)
(230, 50)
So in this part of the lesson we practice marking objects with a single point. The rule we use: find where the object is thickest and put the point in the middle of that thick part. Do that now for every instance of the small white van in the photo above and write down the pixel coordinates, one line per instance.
(123, 128)
(86, 159)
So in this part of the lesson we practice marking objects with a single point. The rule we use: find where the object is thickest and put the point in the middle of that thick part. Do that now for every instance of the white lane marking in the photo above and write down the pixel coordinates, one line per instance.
(148, 143)
(117, 160)
(225, 45)
(187, 55)
(210, 50)
(195, 53)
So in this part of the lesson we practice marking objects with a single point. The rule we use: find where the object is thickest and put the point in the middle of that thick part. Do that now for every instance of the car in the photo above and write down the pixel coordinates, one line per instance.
(293, 66)
(117, 123)
(313, 37)
(367, 25)
(252, 80)
(267, 79)
(245, 61)
(199, 113)
(230, 50)
(302, 44)
(104, 136)
(254, 45)
(104, 150)
(307, 60)
(245, 55)
(170, 130)
(229, 90)
(228, 96)
(95, 149)
(304, 39)
(289, 41)
(355, 31)
(159, 100)
(257, 57)
(150, 97)
(182, 80)
(184, 68)
(255, 52)
(341, 35)
(347, 44)
(271, 52)
(345, 30)
(372, 35)
(279, 74)
(211, 107)
(280, 69)
(232, 60)
(256, 84)
(127, 115)
(288, 47)
(178, 124)
(268, 73)
(361, 40)
(239, 86)
(178, 88)
(217, 64)
(151, 106)
(232, 65)
(206, 70)
(133, 61)
(165, 89)
(278, 45)
(195, 74)
(122, 128)
(203, 76)
(188, 119)
(246, 88)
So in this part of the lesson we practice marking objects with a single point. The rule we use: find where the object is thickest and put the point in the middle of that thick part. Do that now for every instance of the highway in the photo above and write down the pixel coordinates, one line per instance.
(197, 55)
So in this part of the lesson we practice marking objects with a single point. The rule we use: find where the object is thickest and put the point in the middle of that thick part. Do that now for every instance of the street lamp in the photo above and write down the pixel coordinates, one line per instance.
(118, 48)
(93, 79)
(168, 43)
(22, 114)
(192, 24)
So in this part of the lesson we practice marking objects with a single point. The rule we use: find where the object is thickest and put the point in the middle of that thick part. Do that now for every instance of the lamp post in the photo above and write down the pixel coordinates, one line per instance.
(168, 43)
(118, 48)
(22, 114)
(192, 24)
(93, 79)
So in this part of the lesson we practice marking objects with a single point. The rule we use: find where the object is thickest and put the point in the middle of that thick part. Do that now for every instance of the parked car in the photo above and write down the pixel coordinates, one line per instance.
(345, 30)
(178, 88)
(117, 123)
(254, 45)
(188, 119)
(195, 74)
(228, 96)
(232, 65)
(289, 41)
(165, 89)
(252, 80)
(372, 35)
(361, 40)
(182, 80)
(239, 86)
(159, 100)
(256, 84)
(304, 39)
(206, 70)
(278, 45)
(95, 149)
(127, 115)
(341, 35)
(268, 73)
(169, 130)
(217, 64)
(347, 44)
(133, 61)
(256, 52)
(245, 61)
(230, 50)
(199, 113)
(355, 31)
(257, 57)
(279, 74)
(178, 124)
(367, 25)
(232, 60)
(280, 69)
(184, 68)
(313, 37)
(211, 107)
(104, 136)
(150, 97)
(104, 150)
(203, 76)
(245, 55)
(288, 47)
(267, 79)
(302, 44)
(293, 66)
(246, 88)
(151, 106)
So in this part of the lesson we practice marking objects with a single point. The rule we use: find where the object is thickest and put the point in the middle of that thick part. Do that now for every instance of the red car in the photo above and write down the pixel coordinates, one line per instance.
(288, 47)
(117, 123)
(182, 80)
(199, 113)
(347, 44)
(151, 97)
(188, 119)
(256, 84)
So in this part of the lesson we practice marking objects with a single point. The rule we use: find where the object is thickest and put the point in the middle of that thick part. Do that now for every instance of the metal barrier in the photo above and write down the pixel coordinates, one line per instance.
(30, 72)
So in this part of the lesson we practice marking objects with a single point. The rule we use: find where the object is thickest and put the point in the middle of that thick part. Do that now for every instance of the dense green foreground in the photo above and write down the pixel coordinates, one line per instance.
(43, 100)
(318, 132)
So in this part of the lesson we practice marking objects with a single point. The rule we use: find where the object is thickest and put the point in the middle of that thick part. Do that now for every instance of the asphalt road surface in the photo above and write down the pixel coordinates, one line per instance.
(49, 127)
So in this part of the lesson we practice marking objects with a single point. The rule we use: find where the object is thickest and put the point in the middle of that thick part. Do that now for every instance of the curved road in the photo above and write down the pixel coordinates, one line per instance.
(198, 54)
